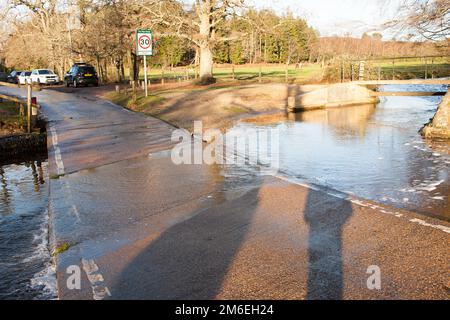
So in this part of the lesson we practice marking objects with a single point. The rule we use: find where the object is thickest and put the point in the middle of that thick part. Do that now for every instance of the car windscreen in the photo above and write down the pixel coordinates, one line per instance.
(86, 70)
(26, 74)
(45, 72)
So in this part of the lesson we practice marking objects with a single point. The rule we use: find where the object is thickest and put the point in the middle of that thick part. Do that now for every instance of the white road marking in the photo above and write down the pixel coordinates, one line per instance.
(75, 211)
(364, 204)
(435, 226)
(294, 181)
(99, 290)
(60, 169)
(58, 159)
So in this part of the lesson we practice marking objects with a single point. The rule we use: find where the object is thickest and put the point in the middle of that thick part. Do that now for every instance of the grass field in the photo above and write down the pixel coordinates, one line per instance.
(309, 73)
(248, 73)
(409, 68)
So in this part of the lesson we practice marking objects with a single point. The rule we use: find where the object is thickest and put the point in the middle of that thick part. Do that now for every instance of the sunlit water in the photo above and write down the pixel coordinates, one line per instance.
(373, 152)
(25, 269)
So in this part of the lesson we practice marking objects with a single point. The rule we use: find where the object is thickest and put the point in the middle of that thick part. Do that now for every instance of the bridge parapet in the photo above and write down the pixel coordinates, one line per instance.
(403, 82)
(335, 95)
(439, 126)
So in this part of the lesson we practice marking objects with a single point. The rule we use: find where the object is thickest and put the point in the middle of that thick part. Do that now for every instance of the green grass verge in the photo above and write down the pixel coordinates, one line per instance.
(9, 110)
(10, 115)
(410, 68)
(243, 73)
(140, 104)
(61, 248)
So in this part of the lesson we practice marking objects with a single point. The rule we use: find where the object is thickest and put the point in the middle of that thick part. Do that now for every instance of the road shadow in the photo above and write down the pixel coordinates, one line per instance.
(326, 216)
(190, 259)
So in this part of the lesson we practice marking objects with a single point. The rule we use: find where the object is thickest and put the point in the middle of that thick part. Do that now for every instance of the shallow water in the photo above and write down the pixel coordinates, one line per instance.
(373, 152)
(25, 269)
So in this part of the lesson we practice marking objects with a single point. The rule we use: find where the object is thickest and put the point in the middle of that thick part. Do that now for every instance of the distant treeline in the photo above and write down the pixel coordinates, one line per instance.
(102, 32)
(373, 46)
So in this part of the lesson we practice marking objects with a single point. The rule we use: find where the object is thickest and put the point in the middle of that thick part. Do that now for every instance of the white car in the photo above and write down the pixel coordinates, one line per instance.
(44, 76)
(24, 77)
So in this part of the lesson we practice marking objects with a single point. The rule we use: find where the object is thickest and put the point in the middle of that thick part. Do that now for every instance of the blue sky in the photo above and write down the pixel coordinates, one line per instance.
(338, 17)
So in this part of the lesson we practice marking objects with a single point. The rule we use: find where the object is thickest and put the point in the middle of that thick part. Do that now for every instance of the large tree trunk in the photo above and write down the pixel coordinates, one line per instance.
(136, 66)
(122, 68)
(130, 65)
(133, 65)
(206, 39)
(206, 64)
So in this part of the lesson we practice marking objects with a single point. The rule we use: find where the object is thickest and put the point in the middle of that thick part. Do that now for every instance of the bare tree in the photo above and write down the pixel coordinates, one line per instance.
(430, 18)
(197, 24)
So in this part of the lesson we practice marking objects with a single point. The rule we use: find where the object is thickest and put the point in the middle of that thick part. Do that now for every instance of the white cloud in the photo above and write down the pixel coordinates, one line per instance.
(339, 17)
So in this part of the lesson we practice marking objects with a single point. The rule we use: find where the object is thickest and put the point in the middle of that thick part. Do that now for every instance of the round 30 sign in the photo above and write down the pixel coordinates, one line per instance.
(144, 40)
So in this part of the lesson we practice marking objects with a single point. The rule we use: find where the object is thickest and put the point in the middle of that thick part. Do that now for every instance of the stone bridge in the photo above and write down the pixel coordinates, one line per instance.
(364, 92)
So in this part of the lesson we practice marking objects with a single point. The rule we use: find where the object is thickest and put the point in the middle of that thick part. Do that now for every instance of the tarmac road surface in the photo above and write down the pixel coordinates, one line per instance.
(139, 227)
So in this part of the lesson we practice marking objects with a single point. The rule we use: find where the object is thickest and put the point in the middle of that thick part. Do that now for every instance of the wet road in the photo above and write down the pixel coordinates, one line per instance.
(92, 132)
(374, 152)
(139, 226)
(25, 264)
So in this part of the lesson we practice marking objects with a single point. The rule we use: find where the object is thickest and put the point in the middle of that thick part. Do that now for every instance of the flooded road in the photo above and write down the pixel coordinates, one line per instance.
(25, 271)
(373, 152)
(151, 229)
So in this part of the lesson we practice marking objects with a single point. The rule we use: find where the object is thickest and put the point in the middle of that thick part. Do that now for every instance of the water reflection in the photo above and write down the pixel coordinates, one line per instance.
(374, 152)
(348, 121)
(23, 228)
(4, 194)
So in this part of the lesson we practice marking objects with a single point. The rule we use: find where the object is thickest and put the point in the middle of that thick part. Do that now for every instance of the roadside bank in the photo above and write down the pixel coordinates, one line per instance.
(221, 106)
(20, 145)
(123, 212)
(15, 143)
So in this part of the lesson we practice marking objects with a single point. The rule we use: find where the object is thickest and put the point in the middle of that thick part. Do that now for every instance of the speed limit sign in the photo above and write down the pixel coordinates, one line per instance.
(144, 42)
(144, 47)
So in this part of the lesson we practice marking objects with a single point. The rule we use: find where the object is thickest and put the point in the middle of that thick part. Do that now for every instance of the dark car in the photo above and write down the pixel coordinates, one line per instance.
(81, 74)
(3, 77)
(14, 76)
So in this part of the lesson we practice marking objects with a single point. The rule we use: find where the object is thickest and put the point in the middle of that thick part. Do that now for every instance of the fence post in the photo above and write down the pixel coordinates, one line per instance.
(232, 72)
(393, 69)
(29, 94)
(361, 70)
(291, 103)
(287, 73)
(162, 75)
(432, 68)
(426, 69)
(260, 74)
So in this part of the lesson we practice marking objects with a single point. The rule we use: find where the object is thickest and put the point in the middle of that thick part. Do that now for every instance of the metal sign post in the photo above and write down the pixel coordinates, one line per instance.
(145, 76)
(144, 47)
(29, 111)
